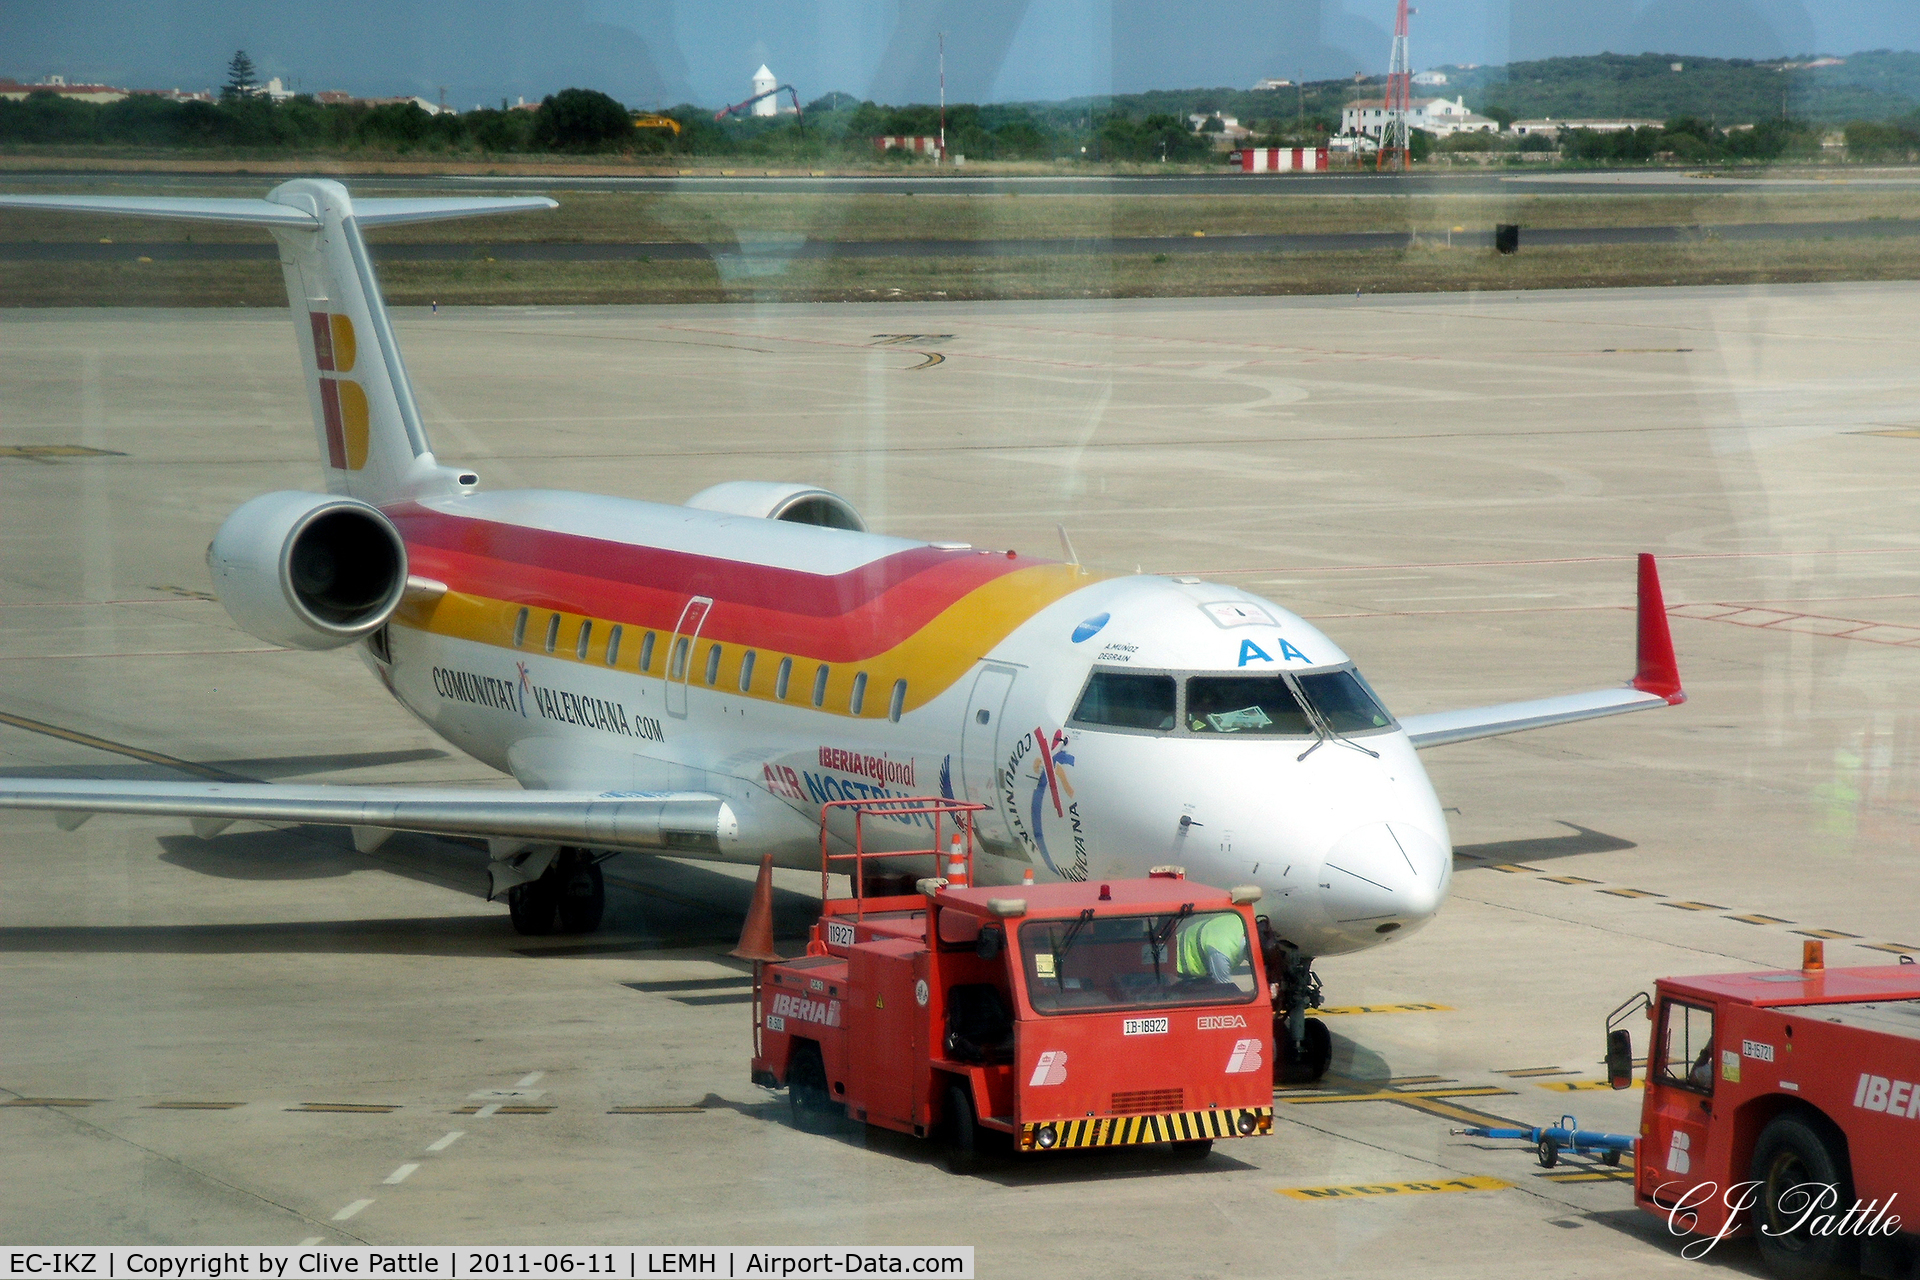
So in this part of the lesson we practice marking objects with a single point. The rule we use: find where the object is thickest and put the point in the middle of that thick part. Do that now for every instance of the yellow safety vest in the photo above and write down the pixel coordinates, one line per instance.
(1225, 933)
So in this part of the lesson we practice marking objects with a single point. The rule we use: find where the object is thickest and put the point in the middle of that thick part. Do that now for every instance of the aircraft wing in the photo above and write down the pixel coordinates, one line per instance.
(685, 821)
(1656, 683)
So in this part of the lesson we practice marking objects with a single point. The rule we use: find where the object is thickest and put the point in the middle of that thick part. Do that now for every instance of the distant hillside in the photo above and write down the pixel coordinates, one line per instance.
(1866, 86)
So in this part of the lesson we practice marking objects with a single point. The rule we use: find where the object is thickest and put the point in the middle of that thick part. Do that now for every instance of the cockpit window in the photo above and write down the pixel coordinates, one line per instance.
(1344, 701)
(1245, 705)
(1127, 700)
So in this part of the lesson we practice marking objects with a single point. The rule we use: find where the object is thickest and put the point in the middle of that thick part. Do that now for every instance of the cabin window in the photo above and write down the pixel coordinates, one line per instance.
(1127, 700)
(859, 698)
(553, 631)
(781, 679)
(746, 671)
(1686, 1047)
(520, 629)
(713, 663)
(646, 652)
(820, 686)
(677, 669)
(613, 646)
(897, 703)
(586, 637)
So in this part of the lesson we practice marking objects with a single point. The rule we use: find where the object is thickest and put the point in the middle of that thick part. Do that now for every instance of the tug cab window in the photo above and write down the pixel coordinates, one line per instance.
(1136, 962)
(1686, 1047)
(1127, 700)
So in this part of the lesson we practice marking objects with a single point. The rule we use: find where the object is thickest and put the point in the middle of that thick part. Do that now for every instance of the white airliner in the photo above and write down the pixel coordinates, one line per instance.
(700, 679)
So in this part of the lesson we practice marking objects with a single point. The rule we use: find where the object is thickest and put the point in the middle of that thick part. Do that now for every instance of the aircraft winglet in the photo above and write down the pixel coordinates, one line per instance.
(1656, 671)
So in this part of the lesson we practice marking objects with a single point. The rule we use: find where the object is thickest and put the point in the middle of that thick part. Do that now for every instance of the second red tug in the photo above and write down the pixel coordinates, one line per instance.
(1032, 1018)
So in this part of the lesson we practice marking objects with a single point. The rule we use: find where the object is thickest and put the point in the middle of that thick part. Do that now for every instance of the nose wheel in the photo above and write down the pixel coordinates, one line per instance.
(1303, 1048)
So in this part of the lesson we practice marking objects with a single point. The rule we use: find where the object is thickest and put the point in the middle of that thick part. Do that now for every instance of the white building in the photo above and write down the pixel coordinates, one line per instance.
(1426, 79)
(1230, 126)
(1551, 128)
(1441, 117)
(1271, 83)
(764, 81)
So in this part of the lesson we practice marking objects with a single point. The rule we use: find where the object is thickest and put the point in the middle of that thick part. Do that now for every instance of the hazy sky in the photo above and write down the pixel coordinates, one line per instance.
(666, 51)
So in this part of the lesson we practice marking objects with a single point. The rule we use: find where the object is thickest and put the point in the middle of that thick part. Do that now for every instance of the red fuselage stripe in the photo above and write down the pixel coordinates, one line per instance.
(834, 617)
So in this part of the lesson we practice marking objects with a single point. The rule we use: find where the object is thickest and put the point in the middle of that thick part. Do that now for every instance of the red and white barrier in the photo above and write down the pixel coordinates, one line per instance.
(1282, 159)
(923, 146)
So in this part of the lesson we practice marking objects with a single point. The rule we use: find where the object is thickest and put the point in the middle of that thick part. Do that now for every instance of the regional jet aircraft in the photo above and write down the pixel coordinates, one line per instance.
(701, 679)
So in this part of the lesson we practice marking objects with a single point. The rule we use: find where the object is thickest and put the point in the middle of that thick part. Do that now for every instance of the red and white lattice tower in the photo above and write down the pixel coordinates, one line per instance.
(1393, 132)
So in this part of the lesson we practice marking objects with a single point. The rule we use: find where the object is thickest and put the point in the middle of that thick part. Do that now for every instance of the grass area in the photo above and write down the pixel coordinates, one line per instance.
(1427, 267)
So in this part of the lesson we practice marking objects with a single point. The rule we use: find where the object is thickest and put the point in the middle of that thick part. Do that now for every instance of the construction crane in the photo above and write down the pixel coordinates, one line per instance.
(1393, 152)
(774, 92)
(650, 120)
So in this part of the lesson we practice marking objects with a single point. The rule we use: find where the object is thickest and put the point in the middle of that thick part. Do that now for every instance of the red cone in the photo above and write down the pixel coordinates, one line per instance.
(756, 935)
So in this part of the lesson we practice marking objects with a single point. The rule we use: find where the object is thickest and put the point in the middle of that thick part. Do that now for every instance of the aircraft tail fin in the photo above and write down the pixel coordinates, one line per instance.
(372, 443)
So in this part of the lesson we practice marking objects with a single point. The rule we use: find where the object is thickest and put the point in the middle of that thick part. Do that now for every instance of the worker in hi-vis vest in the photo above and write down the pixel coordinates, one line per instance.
(1212, 946)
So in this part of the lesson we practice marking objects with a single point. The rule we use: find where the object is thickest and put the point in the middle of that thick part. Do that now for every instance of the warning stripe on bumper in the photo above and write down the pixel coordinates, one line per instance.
(1123, 1131)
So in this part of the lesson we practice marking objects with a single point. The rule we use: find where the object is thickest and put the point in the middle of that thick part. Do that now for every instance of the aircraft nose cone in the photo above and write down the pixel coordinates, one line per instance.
(1385, 872)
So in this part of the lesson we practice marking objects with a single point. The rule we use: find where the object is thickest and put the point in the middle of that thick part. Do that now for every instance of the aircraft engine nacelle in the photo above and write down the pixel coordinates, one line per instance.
(308, 570)
(780, 500)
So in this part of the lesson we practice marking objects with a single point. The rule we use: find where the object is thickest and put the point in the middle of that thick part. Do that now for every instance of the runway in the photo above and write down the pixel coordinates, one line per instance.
(748, 179)
(269, 1037)
(790, 247)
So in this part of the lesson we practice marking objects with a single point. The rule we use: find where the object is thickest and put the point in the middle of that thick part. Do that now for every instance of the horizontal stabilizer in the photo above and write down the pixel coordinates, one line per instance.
(689, 821)
(372, 212)
(263, 213)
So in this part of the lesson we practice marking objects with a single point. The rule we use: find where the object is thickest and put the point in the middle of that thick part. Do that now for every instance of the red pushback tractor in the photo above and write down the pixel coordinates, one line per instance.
(1037, 1018)
(1785, 1105)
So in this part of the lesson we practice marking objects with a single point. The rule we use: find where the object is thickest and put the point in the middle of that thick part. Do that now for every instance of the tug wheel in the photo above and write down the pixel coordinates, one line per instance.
(1793, 1152)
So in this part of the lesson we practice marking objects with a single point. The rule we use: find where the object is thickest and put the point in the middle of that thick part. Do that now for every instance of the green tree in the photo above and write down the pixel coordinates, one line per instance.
(581, 120)
(241, 77)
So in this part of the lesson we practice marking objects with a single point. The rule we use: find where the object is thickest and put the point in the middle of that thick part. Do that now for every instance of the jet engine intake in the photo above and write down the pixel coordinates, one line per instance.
(780, 500)
(308, 570)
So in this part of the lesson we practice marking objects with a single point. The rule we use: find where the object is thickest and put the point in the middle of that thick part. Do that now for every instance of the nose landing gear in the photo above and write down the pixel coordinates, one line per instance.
(1303, 1047)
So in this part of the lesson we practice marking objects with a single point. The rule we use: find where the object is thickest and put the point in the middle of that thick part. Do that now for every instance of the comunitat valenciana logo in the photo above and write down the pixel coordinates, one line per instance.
(1036, 791)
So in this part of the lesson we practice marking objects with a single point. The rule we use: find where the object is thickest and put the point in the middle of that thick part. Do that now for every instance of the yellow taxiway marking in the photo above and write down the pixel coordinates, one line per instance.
(495, 1109)
(1579, 1086)
(1360, 1190)
(1527, 1073)
(1694, 906)
(1569, 880)
(349, 1108)
(657, 1111)
(1758, 919)
(51, 1102)
(1633, 893)
(40, 452)
(1404, 1095)
(1897, 948)
(1824, 933)
(1342, 1010)
(192, 1106)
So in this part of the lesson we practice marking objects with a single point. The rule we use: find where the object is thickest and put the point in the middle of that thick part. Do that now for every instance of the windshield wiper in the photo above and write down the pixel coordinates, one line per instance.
(1323, 730)
(1157, 937)
(1066, 944)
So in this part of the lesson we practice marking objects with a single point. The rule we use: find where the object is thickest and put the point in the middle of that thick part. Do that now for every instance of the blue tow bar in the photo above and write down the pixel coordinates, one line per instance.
(1550, 1140)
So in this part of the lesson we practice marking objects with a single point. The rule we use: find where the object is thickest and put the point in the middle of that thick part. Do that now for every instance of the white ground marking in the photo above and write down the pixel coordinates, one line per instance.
(309, 1240)
(448, 1141)
(528, 1079)
(350, 1210)
(487, 1110)
(400, 1175)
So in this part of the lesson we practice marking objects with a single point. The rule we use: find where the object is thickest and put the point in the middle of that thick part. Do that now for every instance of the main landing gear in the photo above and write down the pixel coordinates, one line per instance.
(1302, 1046)
(570, 896)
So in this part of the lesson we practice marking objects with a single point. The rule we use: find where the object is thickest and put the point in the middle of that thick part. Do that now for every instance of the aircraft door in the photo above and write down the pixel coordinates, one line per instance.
(979, 748)
(686, 633)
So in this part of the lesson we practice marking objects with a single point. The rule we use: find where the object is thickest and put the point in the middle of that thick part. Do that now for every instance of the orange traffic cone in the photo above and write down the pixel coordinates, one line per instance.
(1026, 878)
(956, 865)
(756, 935)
